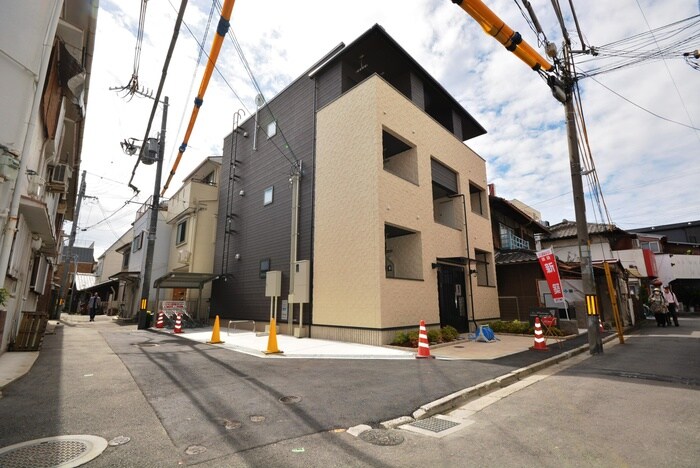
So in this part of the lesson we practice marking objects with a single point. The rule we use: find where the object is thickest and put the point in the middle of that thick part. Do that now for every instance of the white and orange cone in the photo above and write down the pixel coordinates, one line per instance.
(159, 321)
(600, 324)
(178, 324)
(540, 341)
(423, 344)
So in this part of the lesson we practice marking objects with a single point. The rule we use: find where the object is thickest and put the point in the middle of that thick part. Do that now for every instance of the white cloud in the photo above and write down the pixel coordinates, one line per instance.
(647, 165)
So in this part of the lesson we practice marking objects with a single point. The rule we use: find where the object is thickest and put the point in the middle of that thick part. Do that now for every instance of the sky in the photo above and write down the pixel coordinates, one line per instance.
(642, 119)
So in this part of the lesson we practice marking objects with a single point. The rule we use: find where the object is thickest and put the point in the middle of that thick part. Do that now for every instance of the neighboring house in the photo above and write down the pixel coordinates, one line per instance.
(80, 266)
(130, 276)
(109, 264)
(45, 67)
(563, 240)
(192, 217)
(518, 270)
(376, 234)
(676, 248)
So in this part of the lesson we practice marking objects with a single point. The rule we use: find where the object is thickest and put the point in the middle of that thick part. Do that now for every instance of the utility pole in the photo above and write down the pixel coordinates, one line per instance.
(153, 224)
(69, 254)
(563, 91)
(595, 343)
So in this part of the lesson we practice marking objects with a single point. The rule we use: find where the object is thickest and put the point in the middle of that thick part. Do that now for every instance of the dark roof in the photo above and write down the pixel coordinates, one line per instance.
(382, 55)
(665, 227)
(567, 229)
(509, 257)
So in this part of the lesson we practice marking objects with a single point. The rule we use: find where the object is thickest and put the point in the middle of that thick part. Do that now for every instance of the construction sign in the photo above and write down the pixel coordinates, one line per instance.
(548, 262)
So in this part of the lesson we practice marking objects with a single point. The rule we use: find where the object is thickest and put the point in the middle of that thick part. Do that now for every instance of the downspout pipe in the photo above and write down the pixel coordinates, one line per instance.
(39, 79)
(469, 266)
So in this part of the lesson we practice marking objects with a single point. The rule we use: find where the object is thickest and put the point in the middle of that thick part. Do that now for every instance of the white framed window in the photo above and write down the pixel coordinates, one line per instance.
(271, 129)
(267, 196)
(137, 243)
(181, 232)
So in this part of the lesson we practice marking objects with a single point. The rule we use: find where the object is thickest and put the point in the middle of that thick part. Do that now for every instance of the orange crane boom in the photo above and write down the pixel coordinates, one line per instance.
(510, 39)
(221, 31)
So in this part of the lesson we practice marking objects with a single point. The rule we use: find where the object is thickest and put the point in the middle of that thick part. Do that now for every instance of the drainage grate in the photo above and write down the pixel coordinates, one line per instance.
(66, 451)
(434, 424)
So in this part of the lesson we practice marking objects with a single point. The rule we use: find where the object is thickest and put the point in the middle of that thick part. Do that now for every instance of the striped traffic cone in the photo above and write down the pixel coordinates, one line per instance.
(178, 324)
(159, 321)
(600, 325)
(540, 342)
(423, 344)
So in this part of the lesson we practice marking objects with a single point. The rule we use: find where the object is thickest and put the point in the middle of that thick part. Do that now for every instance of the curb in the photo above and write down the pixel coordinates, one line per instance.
(461, 397)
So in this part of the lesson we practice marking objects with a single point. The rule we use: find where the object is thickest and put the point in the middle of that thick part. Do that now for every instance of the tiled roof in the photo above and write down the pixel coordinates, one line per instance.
(84, 281)
(509, 257)
(567, 229)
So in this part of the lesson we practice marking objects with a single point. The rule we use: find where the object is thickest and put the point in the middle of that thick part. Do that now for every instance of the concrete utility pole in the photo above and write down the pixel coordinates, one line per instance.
(153, 224)
(66, 255)
(595, 343)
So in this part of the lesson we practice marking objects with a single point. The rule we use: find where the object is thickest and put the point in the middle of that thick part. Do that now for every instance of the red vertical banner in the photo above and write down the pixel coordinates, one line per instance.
(548, 262)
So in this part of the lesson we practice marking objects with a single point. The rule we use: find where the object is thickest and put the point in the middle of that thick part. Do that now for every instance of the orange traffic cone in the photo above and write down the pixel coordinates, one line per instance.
(540, 341)
(215, 339)
(272, 339)
(600, 324)
(423, 344)
(159, 321)
(178, 324)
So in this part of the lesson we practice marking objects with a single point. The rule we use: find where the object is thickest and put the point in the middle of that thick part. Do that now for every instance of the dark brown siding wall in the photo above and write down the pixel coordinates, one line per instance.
(520, 281)
(264, 231)
(330, 84)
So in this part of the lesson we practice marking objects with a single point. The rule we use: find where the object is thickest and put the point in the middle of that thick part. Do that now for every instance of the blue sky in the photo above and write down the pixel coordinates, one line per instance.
(647, 165)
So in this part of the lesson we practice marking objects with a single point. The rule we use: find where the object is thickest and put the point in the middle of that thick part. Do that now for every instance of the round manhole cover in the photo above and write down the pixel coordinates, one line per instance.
(288, 400)
(121, 440)
(257, 419)
(64, 451)
(195, 449)
(382, 437)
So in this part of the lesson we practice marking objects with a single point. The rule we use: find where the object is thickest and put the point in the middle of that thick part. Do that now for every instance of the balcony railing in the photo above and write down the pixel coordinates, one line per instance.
(511, 241)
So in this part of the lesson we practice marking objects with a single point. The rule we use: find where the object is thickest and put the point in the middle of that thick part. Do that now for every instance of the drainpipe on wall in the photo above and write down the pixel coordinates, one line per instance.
(294, 180)
(469, 262)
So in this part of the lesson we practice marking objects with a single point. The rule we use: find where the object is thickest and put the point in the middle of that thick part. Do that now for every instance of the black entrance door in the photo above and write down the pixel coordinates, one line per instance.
(452, 296)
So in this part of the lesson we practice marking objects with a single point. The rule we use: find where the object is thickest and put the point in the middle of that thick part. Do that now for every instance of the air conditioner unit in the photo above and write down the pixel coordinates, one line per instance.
(60, 175)
(183, 255)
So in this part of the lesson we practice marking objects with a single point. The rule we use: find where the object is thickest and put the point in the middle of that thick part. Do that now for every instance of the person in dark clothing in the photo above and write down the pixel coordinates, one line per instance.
(94, 305)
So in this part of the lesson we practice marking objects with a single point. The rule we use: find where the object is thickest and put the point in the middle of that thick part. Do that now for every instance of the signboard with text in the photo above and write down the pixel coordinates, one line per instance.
(548, 262)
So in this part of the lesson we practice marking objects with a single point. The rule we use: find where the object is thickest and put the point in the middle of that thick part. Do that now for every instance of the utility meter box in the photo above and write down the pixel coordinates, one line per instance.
(301, 278)
(273, 284)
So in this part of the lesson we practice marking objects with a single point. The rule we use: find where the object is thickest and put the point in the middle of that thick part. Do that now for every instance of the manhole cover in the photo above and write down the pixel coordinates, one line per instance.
(257, 419)
(66, 451)
(195, 449)
(382, 437)
(288, 400)
(434, 424)
(121, 440)
(460, 346)
(145, 345)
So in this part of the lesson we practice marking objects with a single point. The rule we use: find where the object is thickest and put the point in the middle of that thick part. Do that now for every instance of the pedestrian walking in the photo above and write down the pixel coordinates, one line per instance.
(672, 304)
(93, 305)
(657, 304)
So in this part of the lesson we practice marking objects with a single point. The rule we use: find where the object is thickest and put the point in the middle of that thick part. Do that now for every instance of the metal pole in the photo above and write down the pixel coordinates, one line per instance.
(153, 224)
(71, 242)
(595, 343)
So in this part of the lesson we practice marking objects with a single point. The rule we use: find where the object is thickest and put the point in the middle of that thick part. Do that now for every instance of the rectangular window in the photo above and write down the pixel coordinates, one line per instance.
(403, 253)
(271, 129)
(399, 158)
(125, 259)
(477, 199)
(267, 197)
(264, 267)
(137, 243)
(651, 245)
(181, 233)
(484, 276)
(447, 204)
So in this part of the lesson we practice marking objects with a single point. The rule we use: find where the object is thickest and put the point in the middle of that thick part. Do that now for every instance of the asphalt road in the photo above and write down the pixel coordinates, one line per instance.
(186, 403)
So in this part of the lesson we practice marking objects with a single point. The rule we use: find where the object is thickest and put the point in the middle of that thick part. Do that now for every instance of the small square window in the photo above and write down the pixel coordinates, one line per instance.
(181, 233)
(264, 267)
(267, 197)
(271, 129)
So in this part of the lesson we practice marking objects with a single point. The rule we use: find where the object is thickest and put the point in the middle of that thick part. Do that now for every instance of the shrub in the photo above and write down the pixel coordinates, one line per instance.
(449, 333)
(442, 335)
(434, 336)
(400, 339)
(516, 326)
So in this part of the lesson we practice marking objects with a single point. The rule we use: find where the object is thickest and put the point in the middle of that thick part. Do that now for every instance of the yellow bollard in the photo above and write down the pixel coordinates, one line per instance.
(215, 338)
(272, 339)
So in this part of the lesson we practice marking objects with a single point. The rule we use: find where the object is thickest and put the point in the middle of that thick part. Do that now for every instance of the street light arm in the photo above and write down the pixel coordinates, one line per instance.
(511, 40)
